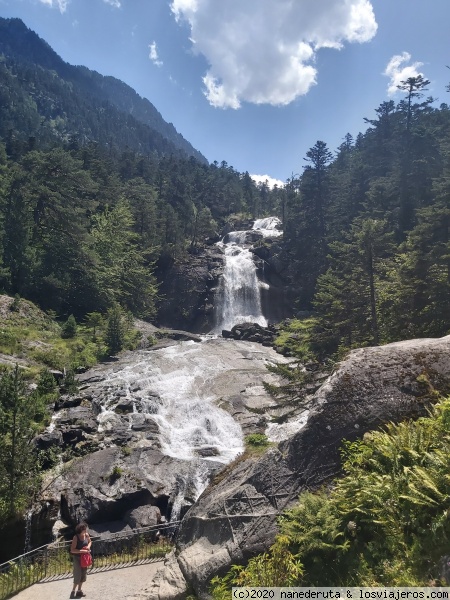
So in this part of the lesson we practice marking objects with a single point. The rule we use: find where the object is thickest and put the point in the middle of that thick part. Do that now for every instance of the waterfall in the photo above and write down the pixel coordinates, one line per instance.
(173, 388)
(174, 392)
(28, 519)
(238, 298)
(268, 226)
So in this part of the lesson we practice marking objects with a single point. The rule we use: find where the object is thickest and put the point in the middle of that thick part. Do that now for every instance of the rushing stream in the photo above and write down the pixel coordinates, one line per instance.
(173, 386)
(184, 389)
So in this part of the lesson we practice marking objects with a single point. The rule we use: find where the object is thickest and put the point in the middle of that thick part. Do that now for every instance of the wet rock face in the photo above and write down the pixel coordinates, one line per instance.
(188, 289)
(252, 332)
(236, 518)
(134, 488)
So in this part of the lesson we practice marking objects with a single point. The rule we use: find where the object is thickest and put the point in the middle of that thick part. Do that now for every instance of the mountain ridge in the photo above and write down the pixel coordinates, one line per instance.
(21, 49)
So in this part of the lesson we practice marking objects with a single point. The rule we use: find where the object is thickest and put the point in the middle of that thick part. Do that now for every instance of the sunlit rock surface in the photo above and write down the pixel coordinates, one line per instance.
(236, 518)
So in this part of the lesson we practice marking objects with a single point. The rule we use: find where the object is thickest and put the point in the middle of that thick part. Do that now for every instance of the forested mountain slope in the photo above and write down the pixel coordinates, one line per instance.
(54, 99)
(97, 192)
(366, 229)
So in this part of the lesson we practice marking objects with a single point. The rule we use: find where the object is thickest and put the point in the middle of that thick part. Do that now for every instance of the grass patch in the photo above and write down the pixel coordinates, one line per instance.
(294, 338)
(29, 334)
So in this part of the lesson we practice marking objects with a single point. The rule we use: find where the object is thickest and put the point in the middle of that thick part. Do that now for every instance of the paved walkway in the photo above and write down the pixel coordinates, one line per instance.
(127, 583)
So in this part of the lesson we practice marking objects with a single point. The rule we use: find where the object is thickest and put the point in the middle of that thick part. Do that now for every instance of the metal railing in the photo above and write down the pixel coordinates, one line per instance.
(110, 551)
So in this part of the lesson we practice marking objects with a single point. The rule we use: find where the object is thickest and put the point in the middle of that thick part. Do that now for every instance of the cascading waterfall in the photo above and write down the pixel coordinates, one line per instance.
(239, 295)
(173, 391)
(171, 386)
(239, 298)
(268, 226)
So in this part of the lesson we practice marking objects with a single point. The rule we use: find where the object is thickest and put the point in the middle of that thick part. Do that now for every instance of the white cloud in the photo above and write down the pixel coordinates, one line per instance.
(398, 70)
(153, 55)
(115, 3)
(61, 4)
(271, 182)
(263, 51)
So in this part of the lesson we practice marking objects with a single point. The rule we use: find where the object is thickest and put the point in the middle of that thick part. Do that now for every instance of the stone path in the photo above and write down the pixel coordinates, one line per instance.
(127, 583)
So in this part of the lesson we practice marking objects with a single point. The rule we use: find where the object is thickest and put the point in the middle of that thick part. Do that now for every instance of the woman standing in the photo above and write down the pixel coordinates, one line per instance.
(81, 544)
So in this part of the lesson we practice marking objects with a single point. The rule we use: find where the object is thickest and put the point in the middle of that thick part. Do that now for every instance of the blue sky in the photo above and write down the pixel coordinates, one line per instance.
(254, 82)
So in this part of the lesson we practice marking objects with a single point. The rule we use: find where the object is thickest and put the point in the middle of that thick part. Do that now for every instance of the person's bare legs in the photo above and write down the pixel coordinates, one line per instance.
(79, 591)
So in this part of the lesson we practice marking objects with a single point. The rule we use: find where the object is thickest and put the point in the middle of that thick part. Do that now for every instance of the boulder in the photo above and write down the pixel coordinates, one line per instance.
(252, 332)
(48, 439)
(78, 417)
(67, 401)
(93, 489)
(143, 516)
(177, 335)
(168, 582)
(108, 485)
(124, 406)
(236, 518)
(141, 422)
(111, 537)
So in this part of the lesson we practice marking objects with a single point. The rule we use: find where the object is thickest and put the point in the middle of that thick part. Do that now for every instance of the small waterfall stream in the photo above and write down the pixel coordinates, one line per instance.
(239, 295)
(27, 544)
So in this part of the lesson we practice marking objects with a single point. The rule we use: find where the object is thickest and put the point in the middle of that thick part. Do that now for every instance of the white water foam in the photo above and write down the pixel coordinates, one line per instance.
(239, 297)
(171, 387)
(268, 226)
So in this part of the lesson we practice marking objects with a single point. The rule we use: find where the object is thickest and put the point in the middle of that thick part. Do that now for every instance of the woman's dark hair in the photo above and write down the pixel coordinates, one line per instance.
(80, 527)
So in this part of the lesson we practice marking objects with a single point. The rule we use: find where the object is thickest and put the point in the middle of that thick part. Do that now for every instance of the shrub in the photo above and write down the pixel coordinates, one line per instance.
(69, 329)
(257, 439)
(46, 383)
(15, 304)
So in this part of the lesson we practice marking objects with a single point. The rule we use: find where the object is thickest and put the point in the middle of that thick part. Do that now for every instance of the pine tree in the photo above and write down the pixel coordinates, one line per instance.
(115, 330)
(18, 426)
(69, 329)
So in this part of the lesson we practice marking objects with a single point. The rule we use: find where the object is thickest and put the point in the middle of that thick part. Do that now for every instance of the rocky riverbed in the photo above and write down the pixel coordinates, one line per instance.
(152, 427)
(155, 426)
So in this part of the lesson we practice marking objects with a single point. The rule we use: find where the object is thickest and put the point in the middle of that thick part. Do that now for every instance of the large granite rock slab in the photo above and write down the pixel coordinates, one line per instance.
(109, 485)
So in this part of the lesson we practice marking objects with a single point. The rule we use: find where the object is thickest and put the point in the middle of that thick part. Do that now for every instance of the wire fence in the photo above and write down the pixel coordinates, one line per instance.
(110, 551)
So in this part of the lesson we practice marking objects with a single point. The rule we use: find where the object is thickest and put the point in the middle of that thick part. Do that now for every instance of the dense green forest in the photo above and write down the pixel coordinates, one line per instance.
(367, 230)
(82, 229)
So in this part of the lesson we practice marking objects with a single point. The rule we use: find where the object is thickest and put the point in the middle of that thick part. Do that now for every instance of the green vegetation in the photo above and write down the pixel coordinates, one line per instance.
(116, 473)
(276, 567)
(32, 336)
(294, 338)
(22, 414)
(256, 444)
(69, 328)
(115, 330)
(258, 440)
(384, 523)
